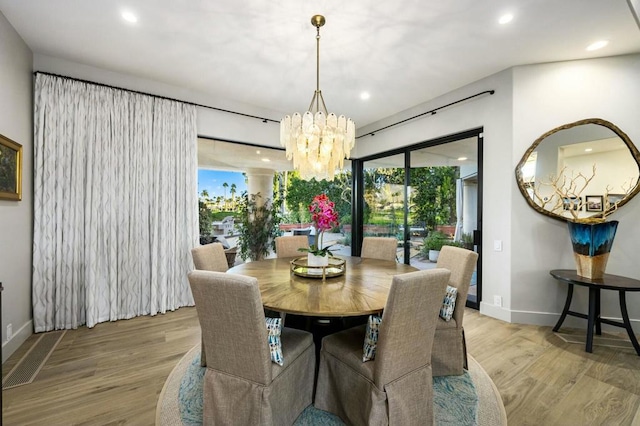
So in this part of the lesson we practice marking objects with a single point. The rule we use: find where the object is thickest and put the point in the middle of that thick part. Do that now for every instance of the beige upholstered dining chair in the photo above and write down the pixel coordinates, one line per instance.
(396, 387)
(288, 246)
(383, 248)
(449, 355)
(241, 383)
(209, 257)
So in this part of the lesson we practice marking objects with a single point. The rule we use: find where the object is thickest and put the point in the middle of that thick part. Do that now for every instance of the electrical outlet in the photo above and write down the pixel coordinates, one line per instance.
(497, 300)
(9, 332)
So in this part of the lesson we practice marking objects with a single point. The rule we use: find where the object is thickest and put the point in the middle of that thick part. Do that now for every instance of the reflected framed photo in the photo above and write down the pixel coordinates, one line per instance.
(571, 203)
(10, 169)
(613, 199)
(593, 203)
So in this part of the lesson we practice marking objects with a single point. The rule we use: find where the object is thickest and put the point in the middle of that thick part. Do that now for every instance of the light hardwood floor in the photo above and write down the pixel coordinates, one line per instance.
(112, 374)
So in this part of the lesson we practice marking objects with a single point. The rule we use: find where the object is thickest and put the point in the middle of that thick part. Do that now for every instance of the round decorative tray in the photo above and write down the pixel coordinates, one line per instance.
(301, 268)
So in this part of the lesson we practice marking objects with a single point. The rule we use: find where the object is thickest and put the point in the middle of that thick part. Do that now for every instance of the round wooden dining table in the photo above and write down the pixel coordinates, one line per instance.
(362, 290)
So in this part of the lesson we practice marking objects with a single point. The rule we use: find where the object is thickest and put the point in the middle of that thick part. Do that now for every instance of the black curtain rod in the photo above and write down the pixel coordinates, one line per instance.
(264, 120)
(432, 112)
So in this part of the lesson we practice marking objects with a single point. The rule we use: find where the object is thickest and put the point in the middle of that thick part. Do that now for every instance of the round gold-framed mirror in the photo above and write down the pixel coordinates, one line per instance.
(579, 171)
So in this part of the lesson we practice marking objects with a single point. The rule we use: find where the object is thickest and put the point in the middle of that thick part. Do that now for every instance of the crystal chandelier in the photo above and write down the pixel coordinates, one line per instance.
(316, 141)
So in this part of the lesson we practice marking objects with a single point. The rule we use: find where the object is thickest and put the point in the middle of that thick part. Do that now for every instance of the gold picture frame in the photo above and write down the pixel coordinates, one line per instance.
(10, 169)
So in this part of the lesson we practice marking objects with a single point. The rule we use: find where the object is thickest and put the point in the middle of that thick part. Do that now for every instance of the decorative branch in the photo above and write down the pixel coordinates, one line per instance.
(566, 197)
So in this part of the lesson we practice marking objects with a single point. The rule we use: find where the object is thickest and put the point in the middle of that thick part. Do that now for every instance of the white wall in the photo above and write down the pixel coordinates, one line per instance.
(16, 216)
(546, 96)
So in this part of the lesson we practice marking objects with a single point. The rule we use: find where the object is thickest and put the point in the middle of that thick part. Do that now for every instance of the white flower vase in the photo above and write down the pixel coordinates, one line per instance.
(313, 260)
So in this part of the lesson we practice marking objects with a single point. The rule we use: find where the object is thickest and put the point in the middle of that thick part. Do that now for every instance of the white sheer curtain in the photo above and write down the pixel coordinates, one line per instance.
(115, 204)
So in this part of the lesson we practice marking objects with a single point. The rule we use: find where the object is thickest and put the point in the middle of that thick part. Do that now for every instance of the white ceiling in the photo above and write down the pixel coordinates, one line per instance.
(262, 53)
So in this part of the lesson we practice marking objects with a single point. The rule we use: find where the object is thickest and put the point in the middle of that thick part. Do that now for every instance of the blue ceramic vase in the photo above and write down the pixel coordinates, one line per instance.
(591, 246)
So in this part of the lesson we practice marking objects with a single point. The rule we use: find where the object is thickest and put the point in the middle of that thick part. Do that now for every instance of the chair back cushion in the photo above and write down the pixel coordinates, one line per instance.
(461, 262)
(383, 248)
(233, 324)
(408, 323)
(210, 257)
(288, 246)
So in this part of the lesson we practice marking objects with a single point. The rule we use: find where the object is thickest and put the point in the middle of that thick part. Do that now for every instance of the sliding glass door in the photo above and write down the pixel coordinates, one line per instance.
(443, 202)
(384, 204)
(426, 196)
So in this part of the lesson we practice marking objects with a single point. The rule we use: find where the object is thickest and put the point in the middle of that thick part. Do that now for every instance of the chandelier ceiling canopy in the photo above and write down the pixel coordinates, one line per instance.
(317, 141)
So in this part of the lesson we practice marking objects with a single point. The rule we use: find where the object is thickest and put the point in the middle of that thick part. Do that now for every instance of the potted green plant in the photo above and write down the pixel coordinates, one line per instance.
(433, 244)
(453, 243)
(258, 227)
(467, 240)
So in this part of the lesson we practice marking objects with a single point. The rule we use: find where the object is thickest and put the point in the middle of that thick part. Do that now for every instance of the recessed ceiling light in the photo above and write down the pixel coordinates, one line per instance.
(364, 96)
(462, 158)
(597, 45)
(588, 149)
(266, 160)
(506, 18)
(258, 151)
(129, 16)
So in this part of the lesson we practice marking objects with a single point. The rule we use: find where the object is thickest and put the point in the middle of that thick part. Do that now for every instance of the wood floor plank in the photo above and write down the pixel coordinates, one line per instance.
(545, 385)
(113, 373)
(110, 374)
(636, 420)
(622, 372)
(592, 402)
(531, 394)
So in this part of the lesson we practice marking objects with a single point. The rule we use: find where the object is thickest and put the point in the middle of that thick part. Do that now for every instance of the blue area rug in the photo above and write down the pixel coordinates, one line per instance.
(455, 401)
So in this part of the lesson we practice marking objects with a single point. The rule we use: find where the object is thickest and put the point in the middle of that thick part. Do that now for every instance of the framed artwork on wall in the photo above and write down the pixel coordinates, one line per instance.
(571, 203)
(594, 203)
(614, 198)
(10, 169)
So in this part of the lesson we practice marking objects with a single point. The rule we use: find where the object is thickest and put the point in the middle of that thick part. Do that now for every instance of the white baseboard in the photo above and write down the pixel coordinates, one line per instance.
(495, 311)
(548, 318)
(18, 338)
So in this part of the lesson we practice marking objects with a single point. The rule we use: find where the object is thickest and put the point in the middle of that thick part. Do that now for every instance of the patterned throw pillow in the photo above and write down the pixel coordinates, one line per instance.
(449, 303)
(371, 338)
(274, 329)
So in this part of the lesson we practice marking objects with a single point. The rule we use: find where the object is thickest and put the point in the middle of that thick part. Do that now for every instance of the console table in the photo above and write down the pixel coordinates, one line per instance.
(610, 282)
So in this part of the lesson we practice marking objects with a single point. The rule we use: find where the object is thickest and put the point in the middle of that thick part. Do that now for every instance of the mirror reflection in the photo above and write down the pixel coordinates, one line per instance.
(580, 170)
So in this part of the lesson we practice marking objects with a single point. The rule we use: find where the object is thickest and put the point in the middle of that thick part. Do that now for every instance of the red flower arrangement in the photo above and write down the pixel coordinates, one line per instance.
(324, 218)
